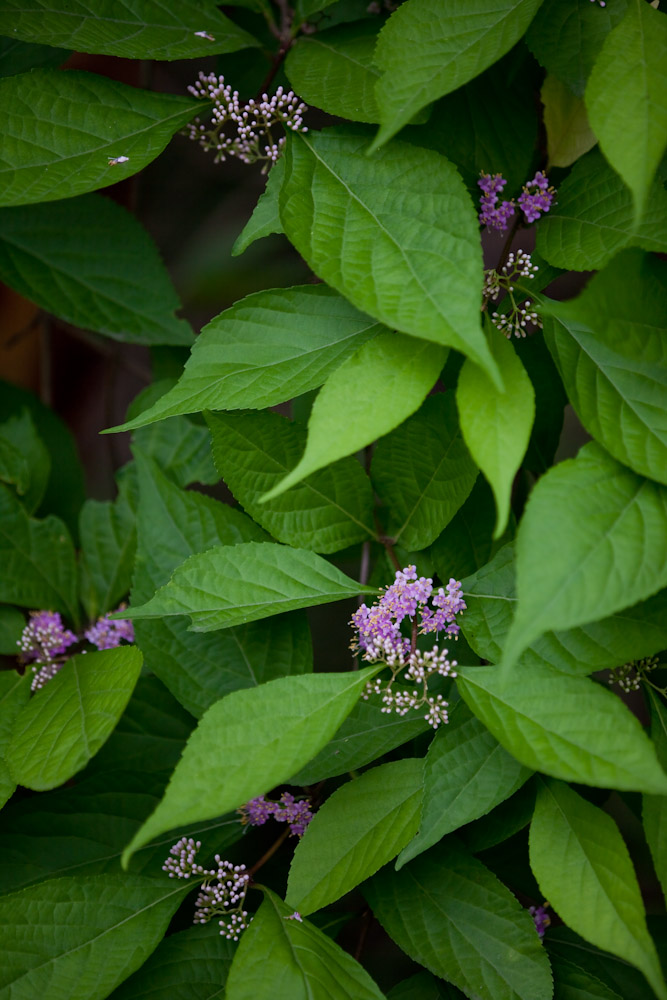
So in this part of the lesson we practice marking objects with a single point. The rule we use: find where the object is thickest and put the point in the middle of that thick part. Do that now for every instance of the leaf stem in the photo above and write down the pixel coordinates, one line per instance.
(271, 851)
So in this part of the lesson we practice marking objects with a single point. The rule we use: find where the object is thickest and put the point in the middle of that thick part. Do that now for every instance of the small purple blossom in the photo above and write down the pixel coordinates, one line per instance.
(493, 215)
(537, 197)
(296, 812)
(541, 918)
(44, 637)
(295, 916)
(106, 634)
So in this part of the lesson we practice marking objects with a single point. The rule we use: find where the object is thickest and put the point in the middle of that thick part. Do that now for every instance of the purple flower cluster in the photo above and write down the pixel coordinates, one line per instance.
(296, 812)
(380, 639)
(223, 889)
(107, 634)
(493, 215)
(243, 130)
(541, 918)
(536, 197)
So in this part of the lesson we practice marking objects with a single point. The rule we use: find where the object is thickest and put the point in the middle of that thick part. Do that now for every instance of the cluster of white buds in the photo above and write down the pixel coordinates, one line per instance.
(418, 667)
(521, 315)
(223, 888)
(243, 129)
(629, 676)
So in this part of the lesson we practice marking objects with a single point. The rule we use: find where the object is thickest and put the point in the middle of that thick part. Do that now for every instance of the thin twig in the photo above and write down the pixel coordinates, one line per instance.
(363, 934)
(271, 851)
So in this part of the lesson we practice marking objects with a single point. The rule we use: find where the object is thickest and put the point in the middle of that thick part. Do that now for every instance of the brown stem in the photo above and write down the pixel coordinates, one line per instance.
(363, 934)
(505, 252)
(271, 851)
(413, 636)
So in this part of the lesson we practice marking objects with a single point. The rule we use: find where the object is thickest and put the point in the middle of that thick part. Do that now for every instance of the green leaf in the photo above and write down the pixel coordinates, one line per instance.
(264, 350)
(304, 9)
(496, 425)
(351, 409)
(654, 811)
(467, 773)
(612, 357)
(181, 448)
(78, 938)
(466, 543)
(491, 598)
(328, 511)
(550, 402)
(571, 982)
(280, 958)
(263, 736)
(67, 721)
(14, 694)
(108, 546)
(19, 57)
(478, 134)
(401, 221)
(569, 727)
(189, 965)
(64, 130)
(600, 529)
(361, 827)
(423, 473)
(450, 914)
(265, 219)
(37, 558)
(594, 218)
(13, 466)
(583, 868)
(200, 668)
(138, 29)
(569, 135)
(235, 584)
(566, 37)
(20, 433)
(429, 48)
(333, 70)
(508, 818)
(424, 986)
(626, 97)
(366, 735)
(12, 623)
(89, 261)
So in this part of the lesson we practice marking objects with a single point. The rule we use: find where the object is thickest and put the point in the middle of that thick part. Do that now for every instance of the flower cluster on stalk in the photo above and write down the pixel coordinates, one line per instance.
(380, 639)
(535, 199)
(295, 812)
(521, 313)
(629, 676)
(223, 889)
(244, 129)
(541, 918)
(45, 640)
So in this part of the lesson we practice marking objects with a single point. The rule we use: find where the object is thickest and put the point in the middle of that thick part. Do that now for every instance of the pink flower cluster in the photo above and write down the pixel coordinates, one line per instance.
(536, 198)
(296, 812)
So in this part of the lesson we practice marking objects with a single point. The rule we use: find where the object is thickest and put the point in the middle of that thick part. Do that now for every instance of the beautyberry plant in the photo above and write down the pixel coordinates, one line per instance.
(382, 379)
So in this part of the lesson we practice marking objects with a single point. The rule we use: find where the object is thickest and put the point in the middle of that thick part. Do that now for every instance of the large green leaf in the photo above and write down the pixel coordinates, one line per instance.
(571, 982)
(366, 735)
(13, 466)
(281, 958)
(491, 598)
(566, 37)
(328, 511)
(37, 558)
(430, 47)
(20, 433)
(450, 914)
(200, 668)
(467, 773)
(583, 868)
(249, 742)
(90, 262)
(626, 97)
(68, 720)
(361, 827)
(496, 425)
(12, 623)
(64, 130)
(265, 349)
(600, 529)
(397, 235)
(594, 218)
(351, 409)
(654, 812)
(14, 694)
(611, 352)
(108, 546)
(235, 584)
(333, 70)
(569, 727)
(21, 57)
(265, 219)
(78, 938)
(569, 135)
(189, 965)
(424, 986)
(135, 29)
(423, 473)
(466, 543)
